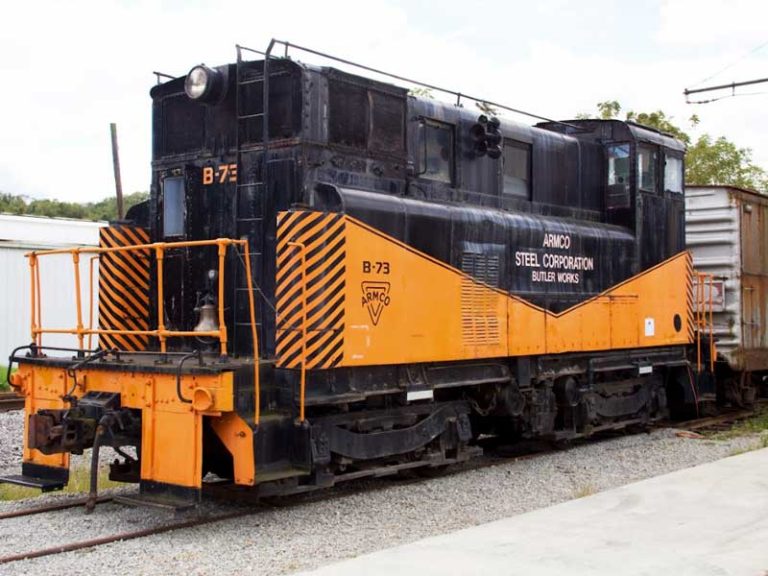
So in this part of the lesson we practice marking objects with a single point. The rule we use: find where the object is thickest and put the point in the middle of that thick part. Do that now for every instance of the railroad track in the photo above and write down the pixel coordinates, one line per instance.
(251, 506)
(10, 401)
(497, 454)
(122, 536)
(720, 423)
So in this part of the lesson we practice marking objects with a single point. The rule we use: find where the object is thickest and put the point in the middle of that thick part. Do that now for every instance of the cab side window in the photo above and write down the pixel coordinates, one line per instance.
(673, 174)
(174, 206)
(618, 165)
(517, 169)
(647, 174)
(617, 189)
(436, 154)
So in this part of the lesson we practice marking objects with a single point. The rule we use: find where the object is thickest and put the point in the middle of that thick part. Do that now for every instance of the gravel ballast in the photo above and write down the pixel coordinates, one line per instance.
(346, 522)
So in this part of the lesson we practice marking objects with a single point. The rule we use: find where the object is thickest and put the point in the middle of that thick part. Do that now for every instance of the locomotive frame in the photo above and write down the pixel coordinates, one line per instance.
(412, 275)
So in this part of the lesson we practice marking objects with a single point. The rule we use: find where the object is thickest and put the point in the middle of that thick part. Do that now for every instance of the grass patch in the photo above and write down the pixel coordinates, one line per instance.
(737, 451)
(79, 483)
(584, 491)
(757, 424)
(762, 442)
(3, 375)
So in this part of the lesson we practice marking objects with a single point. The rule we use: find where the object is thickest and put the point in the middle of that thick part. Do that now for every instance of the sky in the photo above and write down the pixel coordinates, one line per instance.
(68, 69)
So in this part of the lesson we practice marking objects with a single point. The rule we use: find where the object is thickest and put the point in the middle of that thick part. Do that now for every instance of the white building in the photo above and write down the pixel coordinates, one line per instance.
(22, 234)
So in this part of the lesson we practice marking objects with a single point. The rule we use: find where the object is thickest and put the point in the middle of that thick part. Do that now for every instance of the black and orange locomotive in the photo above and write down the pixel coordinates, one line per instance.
(333, 278)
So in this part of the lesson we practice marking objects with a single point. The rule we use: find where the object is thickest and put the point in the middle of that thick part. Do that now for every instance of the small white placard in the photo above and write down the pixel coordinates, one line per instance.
(420, 395)
(650, 327)
(645, 370)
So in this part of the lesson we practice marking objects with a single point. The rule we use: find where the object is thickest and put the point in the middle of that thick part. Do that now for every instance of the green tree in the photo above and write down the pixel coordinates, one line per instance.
(708, 161)
(487, 109)
(105, 209)
(660, 121)
(11, 204)
(420, 92)
(609, 109)
(722, 162)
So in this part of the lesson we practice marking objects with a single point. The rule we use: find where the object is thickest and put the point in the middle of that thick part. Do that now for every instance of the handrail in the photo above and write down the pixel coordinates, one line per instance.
(303, 379)
(90, 303)
(458, 95)
(161, 332)
(705, 317)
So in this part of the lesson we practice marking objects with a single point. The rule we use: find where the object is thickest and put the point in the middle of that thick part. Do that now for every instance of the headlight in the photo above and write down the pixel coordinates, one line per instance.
(203, 84)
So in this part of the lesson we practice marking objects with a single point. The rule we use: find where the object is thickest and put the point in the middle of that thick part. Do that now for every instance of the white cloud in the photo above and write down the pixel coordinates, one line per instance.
(713, 23)
(69, 69)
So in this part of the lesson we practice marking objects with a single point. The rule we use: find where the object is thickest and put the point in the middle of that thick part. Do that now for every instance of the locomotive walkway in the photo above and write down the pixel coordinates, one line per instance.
(710, 519)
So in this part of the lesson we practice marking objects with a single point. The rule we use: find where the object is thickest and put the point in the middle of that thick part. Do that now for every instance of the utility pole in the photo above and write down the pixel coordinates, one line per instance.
(733, 85)
(116, 166)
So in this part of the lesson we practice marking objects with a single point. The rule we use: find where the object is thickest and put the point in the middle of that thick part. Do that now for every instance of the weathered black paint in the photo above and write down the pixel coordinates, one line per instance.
(343, 143)
(322, 161)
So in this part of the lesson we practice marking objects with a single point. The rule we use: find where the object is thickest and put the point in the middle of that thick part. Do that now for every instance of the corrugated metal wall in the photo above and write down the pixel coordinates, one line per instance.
(727, 231)
(19, 235)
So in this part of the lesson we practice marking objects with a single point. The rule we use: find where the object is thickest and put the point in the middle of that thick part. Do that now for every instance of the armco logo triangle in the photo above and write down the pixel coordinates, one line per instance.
(375, 298)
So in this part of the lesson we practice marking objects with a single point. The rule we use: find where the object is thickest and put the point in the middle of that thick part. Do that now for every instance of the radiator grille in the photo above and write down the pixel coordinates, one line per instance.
(479, 318)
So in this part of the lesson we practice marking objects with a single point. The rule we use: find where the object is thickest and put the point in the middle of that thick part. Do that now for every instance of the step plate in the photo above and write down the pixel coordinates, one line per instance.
(44, 484)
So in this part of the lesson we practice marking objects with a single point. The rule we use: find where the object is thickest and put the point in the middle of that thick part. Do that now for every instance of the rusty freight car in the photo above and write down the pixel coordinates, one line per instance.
(727, 232)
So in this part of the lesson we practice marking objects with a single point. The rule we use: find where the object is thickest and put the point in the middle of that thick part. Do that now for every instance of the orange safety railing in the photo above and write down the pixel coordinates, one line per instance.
(705, 317)
(161, 332)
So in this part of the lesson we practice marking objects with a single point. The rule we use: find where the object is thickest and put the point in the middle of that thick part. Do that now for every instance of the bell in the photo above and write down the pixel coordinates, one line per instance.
(208, 320)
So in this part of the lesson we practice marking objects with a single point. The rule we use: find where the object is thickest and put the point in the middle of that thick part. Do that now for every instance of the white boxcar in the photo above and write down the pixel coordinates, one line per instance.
(20, 235)
(727, 232)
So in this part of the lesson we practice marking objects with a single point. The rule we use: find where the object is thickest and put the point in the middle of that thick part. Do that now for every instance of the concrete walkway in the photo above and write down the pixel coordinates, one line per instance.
(707, 520)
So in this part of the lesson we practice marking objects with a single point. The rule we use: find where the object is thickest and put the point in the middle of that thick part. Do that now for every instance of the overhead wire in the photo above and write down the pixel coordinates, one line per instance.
(733, 63)
(724, 97)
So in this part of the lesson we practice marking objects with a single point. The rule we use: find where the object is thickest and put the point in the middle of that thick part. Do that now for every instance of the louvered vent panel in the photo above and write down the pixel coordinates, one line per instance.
(479, 320)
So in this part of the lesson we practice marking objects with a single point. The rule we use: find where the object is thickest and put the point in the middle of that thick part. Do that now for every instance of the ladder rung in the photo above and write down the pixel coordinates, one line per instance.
(252, 81)
(247, 116)
(253, 149)
(250, 219)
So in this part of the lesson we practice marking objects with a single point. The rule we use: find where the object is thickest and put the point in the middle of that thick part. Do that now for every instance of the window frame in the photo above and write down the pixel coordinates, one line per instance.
(654, 151)
(182, 218)
(679, 157)
(624, 144)
(520, 145)
(424, 124)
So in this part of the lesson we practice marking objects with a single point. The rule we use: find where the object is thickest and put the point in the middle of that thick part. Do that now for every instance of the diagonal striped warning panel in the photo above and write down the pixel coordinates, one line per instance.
(689, 296)
(123, 287)
(323, 237)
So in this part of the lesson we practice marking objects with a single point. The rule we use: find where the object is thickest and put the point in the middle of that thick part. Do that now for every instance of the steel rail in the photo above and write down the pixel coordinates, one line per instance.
(123, 536)
(51, 508)
(721, 421)
(10, 401)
